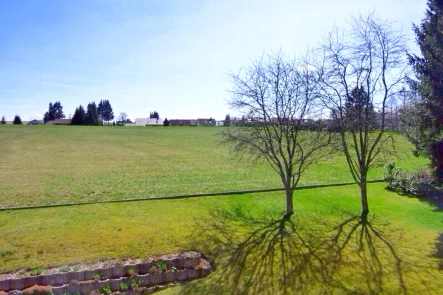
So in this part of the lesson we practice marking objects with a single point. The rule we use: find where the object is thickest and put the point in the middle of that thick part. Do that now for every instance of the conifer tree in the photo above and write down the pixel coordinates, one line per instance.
(92, 114)
(154, 115)
(359, 111)
(227, 121)
(105, 111)
(79, 117)
(55, 111)
(428, 136)
(17, 120)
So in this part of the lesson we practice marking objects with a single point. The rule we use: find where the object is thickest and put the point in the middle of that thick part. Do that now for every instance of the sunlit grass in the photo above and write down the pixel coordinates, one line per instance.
(73, 234)
(59, 164)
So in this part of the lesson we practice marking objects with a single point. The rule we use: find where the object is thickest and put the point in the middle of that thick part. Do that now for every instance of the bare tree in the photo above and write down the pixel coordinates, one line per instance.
(123, 117)
(276, 98)
(361, 69)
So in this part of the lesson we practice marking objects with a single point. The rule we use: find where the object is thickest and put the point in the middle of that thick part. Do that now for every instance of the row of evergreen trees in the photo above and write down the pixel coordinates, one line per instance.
(17, 120)
(93, 115)
(81, 117)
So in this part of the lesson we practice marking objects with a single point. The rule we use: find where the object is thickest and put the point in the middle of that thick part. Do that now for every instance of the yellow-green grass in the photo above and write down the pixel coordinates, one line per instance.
(59, 164)
(64, 235)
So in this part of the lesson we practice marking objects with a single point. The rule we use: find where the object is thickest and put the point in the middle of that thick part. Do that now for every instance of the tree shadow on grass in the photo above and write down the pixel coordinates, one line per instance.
(306, 255)
(435, 199)
(439, 251)
(376, 258)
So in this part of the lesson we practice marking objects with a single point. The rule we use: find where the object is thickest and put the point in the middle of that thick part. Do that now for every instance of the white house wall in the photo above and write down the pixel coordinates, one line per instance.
(148, 121)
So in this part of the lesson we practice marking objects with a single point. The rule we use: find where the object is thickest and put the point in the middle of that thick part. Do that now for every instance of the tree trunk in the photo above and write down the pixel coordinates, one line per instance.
(289, 204)
(364, 197)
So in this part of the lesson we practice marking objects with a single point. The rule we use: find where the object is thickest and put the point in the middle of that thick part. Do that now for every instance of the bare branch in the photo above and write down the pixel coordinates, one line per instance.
(278, 99)
(361, 69)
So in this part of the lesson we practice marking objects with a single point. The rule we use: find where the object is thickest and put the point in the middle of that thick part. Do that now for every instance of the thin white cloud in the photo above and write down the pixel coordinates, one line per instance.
(56, 84)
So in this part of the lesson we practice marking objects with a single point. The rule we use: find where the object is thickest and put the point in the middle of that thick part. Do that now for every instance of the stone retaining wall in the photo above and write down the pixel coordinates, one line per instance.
(179, 267)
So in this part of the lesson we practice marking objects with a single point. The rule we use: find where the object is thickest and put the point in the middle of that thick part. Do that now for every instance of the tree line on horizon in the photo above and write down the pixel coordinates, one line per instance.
(422, 109)
(92, 115)
(17, 120)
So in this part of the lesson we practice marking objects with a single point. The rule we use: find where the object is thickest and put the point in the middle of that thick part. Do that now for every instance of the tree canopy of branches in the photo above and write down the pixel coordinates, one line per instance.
(105, 111)
(428, 136)
(277, 97)
(17, 120)
(55, 111)
(362, 69)
(123, 119)
(79, 117)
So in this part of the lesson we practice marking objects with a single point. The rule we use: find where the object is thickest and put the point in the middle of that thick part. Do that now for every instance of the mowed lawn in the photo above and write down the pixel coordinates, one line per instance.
(59, 164)
(65, 235)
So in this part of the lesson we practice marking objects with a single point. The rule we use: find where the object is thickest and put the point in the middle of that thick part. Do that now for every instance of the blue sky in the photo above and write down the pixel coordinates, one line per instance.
(172, 56)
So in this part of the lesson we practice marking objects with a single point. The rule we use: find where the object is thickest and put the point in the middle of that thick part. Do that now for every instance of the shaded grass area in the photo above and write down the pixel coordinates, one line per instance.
(349, 254)
(315, 252)
(59, 164)
(57, 236)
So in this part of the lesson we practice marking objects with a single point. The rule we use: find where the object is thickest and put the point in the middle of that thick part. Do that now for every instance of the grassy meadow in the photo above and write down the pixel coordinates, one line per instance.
(58, 164)
(64, 235)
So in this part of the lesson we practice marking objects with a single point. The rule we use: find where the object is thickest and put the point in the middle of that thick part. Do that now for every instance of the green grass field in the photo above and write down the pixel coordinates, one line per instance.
(59, 236)
(59, 164)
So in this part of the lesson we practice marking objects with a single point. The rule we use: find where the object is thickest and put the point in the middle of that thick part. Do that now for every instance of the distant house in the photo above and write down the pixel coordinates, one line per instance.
(140, 121)
(154, 122)
(183, 122)
(35, 122)
(148, 122)
(206, 122)
(59, 122)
